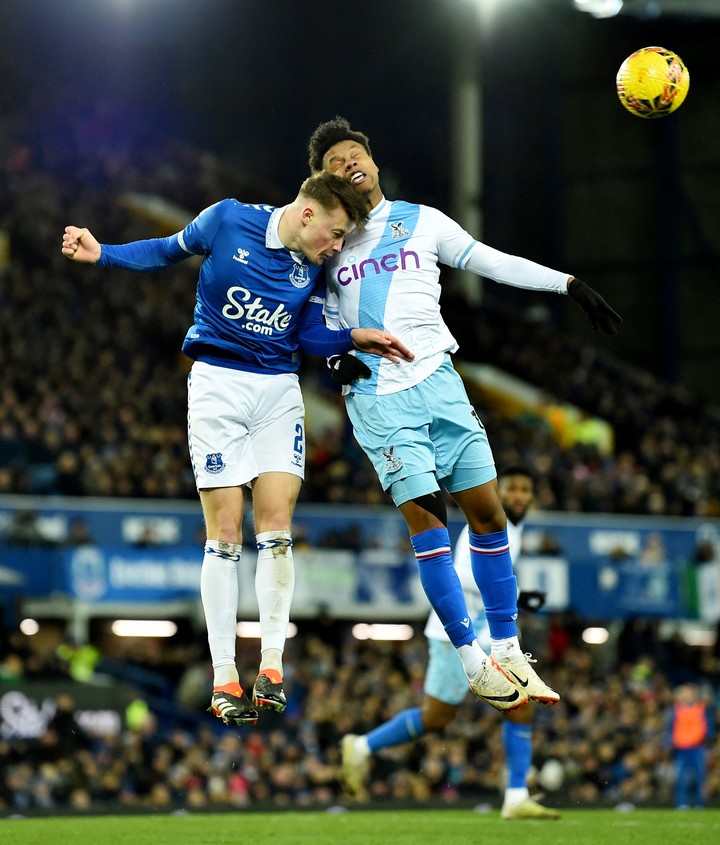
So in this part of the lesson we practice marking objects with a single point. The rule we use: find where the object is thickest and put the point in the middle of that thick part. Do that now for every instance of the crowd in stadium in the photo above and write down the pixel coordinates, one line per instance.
(606, 742)
(94, 404)
(102, 411)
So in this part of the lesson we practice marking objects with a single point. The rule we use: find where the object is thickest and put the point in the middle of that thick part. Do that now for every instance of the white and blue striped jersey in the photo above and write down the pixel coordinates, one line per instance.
(257, 303)
(387, 277)
(461, 561)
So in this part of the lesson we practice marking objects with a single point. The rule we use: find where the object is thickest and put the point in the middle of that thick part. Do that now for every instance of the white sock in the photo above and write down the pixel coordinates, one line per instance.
(515, 795)
(506, 648)
(472, 657)
(219, 594)
(362, 747)
(271, 658)
(274, 587)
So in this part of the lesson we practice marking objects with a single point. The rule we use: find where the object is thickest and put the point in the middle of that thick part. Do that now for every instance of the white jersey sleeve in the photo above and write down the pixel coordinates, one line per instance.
(461, 559)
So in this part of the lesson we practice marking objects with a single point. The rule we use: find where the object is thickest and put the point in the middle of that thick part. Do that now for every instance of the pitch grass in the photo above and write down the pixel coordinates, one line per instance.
(368, 827)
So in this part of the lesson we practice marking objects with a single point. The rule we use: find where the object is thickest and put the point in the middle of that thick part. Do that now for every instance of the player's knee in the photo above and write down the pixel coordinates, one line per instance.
(488, 520)
(436, 719)
(433, 503)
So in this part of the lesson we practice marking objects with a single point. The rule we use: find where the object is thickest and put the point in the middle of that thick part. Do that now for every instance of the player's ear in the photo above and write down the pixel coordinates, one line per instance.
(307, 214)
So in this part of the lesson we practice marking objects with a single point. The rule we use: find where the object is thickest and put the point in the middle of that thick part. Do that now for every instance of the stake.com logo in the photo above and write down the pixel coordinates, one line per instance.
(389, 263)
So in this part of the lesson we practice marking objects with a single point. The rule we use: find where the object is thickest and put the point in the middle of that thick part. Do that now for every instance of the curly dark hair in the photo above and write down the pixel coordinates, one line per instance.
(332, 191)
(329, 134)
(516, 469)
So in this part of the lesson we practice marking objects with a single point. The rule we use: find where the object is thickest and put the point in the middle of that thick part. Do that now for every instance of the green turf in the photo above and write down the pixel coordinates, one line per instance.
(363, 827)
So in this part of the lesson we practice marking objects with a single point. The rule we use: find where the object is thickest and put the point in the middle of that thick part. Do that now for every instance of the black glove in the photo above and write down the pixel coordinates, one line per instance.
(599, 312)
(531, 600)
(346, 368)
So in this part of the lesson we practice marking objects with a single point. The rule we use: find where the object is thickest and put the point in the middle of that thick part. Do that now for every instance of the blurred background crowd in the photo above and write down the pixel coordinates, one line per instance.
(92, 403)
(93, 387)
(606, 742)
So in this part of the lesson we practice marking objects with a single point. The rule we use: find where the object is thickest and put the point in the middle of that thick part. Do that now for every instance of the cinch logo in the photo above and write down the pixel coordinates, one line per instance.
(259, 318)
(388, 263)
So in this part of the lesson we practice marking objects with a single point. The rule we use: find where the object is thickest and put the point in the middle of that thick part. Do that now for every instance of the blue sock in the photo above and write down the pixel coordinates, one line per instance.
(517, 742)
(493, 572)
(403, 727)
(442, 585)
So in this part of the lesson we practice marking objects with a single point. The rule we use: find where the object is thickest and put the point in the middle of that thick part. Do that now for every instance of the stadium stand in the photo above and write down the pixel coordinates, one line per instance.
(604, 744)
(87, 412)
(93, 396)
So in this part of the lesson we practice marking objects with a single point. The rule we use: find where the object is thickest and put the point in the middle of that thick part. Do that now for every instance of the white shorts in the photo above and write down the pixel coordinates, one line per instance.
(243, 424)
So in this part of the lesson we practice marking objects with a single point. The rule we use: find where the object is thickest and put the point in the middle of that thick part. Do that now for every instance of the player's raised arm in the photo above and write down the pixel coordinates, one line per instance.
(80, 245)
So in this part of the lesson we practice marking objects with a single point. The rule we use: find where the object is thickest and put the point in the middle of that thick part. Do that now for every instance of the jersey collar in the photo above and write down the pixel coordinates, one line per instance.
(378, 208)
(272, 236)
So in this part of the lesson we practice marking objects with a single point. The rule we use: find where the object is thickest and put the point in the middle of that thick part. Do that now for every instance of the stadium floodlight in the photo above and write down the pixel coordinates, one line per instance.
(650, 9)
(29, 627)
(595, 636)
(378, 631)
(143, 628)
(251, 630)
(599, 8)
(698, 635)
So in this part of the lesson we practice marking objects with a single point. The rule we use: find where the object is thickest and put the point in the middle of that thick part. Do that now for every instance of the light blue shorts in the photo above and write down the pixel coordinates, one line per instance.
(445, 677)
(424, 437)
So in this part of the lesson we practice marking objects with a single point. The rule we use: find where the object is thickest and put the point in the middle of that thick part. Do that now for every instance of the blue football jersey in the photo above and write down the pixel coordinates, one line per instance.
(255, 298)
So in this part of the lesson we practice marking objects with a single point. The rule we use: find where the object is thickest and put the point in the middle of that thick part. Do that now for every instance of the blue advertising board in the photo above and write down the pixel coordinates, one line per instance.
(356, 559)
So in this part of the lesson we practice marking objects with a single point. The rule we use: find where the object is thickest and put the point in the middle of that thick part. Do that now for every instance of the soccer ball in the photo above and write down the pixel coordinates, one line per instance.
(652, 82)
(552, 775)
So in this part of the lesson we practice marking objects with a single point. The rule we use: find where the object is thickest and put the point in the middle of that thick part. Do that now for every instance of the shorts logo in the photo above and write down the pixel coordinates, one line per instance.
(393, 463)
(300, 276)
(399, 230)
(214, 463)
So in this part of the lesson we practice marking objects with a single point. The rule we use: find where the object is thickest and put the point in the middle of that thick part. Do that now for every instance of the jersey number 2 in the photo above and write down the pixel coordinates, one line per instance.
(298, 445)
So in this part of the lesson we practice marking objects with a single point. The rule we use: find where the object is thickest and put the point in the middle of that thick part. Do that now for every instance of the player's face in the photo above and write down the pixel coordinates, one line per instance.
(323, 232)
(350, 161)
(516, 495)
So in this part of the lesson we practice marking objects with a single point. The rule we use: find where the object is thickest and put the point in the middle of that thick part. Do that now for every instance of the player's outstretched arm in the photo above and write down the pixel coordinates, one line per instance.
(599, 312)
(80, 245)
(381, 343)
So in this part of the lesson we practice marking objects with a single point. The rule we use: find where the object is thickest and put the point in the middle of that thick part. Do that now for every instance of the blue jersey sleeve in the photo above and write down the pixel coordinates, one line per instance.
(143, 256)
(159, 253)
(314, 337)
(197, 237)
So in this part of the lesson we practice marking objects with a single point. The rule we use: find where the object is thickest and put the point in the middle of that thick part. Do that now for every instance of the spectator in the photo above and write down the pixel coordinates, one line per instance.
(689, 731)
(75, 422)
(602, 743)
(79, 533)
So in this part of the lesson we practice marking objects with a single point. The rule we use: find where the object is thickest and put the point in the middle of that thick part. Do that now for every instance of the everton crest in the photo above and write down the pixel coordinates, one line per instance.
(214, 463)
(300, 276)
